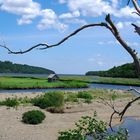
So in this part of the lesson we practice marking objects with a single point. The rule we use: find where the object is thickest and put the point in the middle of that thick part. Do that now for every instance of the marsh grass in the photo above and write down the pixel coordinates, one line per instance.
(103, 80)
(31, 83)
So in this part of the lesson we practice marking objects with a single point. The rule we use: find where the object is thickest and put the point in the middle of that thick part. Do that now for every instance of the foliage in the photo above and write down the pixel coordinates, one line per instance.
(33, 117)
(91, 127)
(10, 102)
(124, 71)
(84, 95)
(49, 99)
(71, 97)
(9, 67)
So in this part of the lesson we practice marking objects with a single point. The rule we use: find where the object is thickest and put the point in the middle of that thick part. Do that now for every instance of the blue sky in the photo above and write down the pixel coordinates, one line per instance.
(25, 24)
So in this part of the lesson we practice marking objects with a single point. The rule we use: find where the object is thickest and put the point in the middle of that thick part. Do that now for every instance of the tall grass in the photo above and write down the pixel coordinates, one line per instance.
(31, 83)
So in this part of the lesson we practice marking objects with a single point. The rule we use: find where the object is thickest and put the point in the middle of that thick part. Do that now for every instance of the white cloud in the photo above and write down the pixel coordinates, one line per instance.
(49, 20)
(70, 15)
(29, 11)
(95, 8)
(120, 25)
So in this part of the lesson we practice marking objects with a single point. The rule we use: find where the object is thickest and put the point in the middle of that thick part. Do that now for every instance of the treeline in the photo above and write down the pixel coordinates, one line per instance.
(124, 71)
(9, 67)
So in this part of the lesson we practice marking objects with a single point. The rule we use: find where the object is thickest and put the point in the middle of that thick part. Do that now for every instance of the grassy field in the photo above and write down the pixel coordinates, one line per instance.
(32, 83)
(104, 80)
(65, 82)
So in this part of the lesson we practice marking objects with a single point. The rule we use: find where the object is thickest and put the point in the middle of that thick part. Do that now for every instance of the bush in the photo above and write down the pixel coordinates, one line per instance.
(71, 97)
(10, 102)
(50, 99)
(84, 95)
(93, 129)
(33, 117)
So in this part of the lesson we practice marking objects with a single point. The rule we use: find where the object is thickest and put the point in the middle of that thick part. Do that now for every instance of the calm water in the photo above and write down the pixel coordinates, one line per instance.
(133, 127)
(91, 86)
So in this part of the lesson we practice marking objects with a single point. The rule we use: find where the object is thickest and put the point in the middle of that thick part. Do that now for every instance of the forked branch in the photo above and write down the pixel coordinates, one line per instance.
(121, 114)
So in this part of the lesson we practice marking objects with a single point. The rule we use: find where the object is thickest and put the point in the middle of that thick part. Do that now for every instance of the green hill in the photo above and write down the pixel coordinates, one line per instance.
(9, 67)
(124, 71)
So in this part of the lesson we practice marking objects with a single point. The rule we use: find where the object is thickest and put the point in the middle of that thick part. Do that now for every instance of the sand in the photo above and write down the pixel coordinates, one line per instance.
(11, 127)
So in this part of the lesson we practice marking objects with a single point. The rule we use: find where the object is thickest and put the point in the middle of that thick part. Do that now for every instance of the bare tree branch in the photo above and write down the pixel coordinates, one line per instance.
(121, 114)
(135, 3)
(59, 43)
(137, 28)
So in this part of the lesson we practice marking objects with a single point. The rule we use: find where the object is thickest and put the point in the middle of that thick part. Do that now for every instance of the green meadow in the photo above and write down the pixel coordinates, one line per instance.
(32, 83)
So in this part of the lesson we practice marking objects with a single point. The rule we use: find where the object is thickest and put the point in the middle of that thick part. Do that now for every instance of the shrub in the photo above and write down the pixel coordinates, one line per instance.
(33, 117)
(84, 95)
(10, 102)
(93, 129)
(71, 97)
(40, 102)
(50, 99)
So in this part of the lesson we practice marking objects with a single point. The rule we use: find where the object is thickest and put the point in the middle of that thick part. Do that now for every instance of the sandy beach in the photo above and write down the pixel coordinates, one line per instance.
(11, 127)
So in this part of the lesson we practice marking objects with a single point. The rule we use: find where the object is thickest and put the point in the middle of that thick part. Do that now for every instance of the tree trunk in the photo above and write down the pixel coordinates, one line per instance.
(137, 65)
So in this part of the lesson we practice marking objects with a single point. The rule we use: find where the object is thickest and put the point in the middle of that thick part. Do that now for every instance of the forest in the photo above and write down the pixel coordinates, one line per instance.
(9, 67)
(123, 71)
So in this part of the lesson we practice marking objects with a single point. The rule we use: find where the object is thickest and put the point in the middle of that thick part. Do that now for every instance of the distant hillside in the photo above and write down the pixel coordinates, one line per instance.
(125, 71)
(9, 67)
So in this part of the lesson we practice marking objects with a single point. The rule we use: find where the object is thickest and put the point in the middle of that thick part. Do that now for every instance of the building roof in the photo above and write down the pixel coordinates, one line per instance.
(52, 75)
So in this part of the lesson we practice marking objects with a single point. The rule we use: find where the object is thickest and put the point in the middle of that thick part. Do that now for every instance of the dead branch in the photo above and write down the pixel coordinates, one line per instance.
(135, 3)
(137, 28)
(46, 46)
(121, 114)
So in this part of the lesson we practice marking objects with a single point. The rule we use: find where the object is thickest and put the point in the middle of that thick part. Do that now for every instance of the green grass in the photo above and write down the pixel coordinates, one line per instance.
(65, 82)
(10, 102)
(32, 83)
(104, 80)
(84, 95)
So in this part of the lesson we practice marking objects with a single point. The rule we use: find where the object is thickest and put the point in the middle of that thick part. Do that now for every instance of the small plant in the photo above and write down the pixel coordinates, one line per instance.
(84, 95)
(71, 97)
(88, 101)
(33, 117)
(24, 100)
(50, 99)
(10, 102)
(93, 129)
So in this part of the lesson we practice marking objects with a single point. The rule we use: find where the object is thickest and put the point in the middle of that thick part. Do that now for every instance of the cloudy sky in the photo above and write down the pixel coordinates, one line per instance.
(26, 23)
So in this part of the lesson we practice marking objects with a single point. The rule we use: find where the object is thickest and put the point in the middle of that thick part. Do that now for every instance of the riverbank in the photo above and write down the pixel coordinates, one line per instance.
(14, 129)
